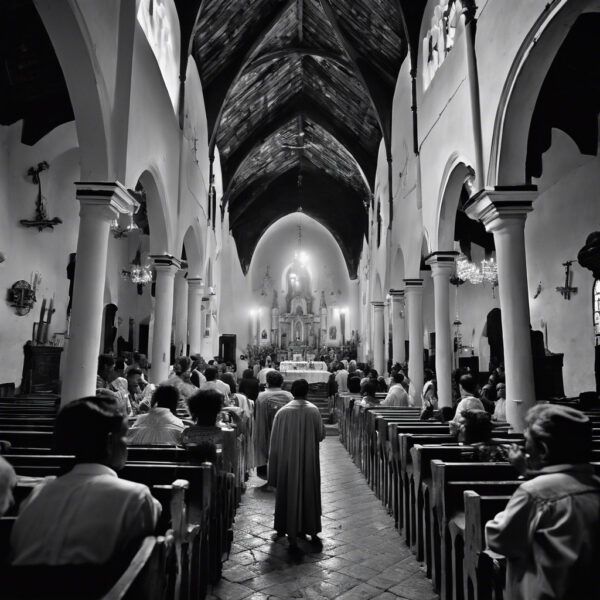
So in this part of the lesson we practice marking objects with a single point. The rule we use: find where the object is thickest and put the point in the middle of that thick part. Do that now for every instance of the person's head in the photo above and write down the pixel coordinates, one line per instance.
(94, 429)
(211, 362)
(166, 396)
(373, 374)
(8, 480)
(300, 388)
(106, 366)
(274, 379)
(446, 413)
(398, 377)
(211, 373)
(428, 375)
(352, 366)
(476, 426)
(467, 385)
(353, 385)
(501, 390)
(557, 434)
(248, 374)
(493, 379)
(182, 365)
(229, 379)
(369, 388)
(119, 369)
(205, 406)
(134, 376)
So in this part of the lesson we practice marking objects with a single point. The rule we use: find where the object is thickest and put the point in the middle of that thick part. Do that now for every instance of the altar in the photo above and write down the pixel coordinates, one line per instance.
(302, 365)
(313, 371)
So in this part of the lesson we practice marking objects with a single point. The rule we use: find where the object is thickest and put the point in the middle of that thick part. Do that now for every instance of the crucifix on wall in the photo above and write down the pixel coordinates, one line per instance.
(566, 290)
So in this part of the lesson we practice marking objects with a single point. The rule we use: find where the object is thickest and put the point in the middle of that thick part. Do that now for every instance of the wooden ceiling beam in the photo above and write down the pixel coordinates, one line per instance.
(216, 94)
(304, 105)
(380, 92)
(331, 55)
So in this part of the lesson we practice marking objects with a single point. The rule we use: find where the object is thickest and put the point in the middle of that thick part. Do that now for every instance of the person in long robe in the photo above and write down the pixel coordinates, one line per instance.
(294, 468)
(265, 407)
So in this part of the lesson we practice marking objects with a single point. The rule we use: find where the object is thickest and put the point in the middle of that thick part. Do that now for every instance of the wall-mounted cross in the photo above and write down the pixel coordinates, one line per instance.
(567, 289)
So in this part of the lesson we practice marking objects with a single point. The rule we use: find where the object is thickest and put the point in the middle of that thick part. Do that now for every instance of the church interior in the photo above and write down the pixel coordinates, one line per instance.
(407, 188)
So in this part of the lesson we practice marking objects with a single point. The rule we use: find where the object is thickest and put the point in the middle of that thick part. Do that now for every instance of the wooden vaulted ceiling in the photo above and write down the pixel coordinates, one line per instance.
(298, 91)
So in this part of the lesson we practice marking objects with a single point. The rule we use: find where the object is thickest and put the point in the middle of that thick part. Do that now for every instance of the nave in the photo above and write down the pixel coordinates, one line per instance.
(363, 555)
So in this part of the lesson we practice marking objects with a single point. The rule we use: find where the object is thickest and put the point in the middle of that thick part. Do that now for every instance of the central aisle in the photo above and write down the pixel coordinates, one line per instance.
(363, 555)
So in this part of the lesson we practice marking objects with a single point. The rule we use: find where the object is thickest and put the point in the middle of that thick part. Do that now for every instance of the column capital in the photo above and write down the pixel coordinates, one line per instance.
(165, 263)
(442, 262)
(110, 199)
(396, 293)
(196, 283)
(496, 207)
(377, 304)
(413, 285)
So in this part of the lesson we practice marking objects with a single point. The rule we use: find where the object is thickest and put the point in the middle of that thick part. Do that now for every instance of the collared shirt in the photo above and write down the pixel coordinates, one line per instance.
(466, 403)
(159, 426)
(550, 535)
(83, 517)
(341, 378)
(217, 384)
(396, 396)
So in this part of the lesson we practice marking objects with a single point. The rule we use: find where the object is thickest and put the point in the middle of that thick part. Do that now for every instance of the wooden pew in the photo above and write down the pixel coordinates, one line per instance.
(477, 566)
(449, 481)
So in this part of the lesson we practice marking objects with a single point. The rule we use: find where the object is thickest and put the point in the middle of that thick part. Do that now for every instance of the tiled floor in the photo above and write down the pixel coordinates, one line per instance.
(363, 555)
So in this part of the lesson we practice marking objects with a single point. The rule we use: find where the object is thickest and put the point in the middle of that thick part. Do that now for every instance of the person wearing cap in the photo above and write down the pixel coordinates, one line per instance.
(550, 529)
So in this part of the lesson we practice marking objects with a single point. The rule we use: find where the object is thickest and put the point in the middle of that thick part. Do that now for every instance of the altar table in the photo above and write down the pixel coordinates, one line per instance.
(312, 376)
(302, 365)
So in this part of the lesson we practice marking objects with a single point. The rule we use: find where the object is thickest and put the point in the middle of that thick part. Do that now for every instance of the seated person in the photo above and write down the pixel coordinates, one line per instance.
(476, 430)
(119, 370)
(396, 395)
(160, 426)
(368, 390)
(134, 377)
(89, 515)
(266, 405)
(196, 375)
(548, 531)
(106, 371)
(213, 383)
(8, 480)
(354, 385)
(181, 379)
(467, 387)
(205, 406)
(500, 407)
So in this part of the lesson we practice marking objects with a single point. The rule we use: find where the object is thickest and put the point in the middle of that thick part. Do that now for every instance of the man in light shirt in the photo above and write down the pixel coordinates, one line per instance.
(397, 395)
(212, 383)
(89, 515)
(341, 378)
(467, 387)
(267, 367)
(160, 426)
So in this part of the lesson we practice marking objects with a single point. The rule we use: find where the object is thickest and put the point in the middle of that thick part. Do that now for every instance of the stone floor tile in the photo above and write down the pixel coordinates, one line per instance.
(363, 556)
(360, 592)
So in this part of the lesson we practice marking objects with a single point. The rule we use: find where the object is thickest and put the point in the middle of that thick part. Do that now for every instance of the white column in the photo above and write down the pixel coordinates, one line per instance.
(378, 342)
(503, 212)
(413, 291)
(166, 266)
(194, 315)
(442, 268)
(398, 351)
(386, 335)
(180, 313)
(100, 203)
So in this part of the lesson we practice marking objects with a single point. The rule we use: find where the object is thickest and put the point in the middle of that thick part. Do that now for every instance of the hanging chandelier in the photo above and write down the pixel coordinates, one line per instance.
(121, 232)
(470, 272)
(137, 273)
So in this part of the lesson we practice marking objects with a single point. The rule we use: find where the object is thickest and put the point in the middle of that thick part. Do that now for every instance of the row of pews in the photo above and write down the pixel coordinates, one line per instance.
(440, 500)
(193, 536)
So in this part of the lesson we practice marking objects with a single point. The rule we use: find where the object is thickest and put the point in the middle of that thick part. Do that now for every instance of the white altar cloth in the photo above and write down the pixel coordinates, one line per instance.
(302, 365)
(312, 376)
